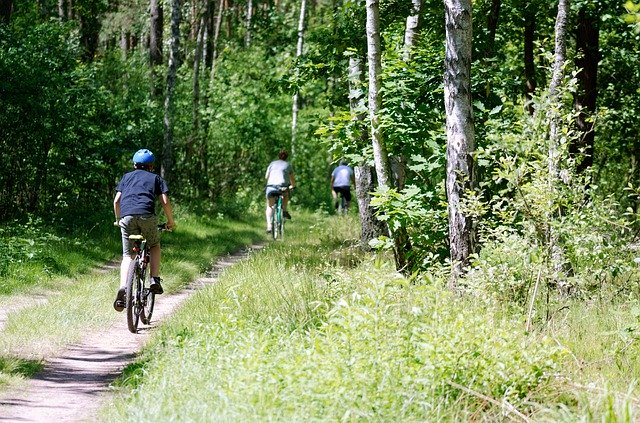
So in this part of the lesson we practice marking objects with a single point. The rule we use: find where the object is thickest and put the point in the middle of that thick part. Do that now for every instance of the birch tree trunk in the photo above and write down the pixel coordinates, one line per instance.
(370, 227)
(460, 131)
(174, 57)
(216, 35)
(247, 33)
(61, 9)
(195, 102)
(380, 155)
(412, 29)
(296, 96)
(555, 252)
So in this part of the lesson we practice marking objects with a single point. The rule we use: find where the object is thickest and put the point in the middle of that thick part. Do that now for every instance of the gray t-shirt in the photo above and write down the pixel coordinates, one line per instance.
(279, 173)
(342, 176)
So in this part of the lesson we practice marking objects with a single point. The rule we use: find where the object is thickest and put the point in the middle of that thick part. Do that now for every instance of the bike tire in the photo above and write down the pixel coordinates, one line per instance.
(281, 224)
(274, 223)
(131, 297)
(147, 299)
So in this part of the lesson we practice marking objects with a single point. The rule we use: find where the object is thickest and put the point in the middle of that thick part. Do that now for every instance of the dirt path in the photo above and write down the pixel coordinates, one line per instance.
(74, 385)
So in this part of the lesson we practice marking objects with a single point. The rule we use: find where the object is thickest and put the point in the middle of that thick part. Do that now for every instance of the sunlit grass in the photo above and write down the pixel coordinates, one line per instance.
(299, 333)
(66, 308)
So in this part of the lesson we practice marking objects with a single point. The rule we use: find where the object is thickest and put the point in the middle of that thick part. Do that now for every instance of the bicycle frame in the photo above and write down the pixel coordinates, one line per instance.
(139, 299)
(277, 219)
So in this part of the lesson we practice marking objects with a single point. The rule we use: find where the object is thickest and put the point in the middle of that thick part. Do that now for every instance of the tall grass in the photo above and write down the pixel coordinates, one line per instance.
(299, 333)
(80, 301)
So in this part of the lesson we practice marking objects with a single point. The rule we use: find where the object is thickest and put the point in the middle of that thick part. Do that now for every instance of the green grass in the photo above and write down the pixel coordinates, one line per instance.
(79, 300)
(311, 330)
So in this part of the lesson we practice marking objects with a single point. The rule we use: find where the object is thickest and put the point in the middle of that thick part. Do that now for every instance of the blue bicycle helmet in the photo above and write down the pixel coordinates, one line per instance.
(143, 157)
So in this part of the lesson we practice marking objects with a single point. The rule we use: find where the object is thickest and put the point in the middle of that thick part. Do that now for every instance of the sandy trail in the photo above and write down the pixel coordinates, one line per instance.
(75, 384)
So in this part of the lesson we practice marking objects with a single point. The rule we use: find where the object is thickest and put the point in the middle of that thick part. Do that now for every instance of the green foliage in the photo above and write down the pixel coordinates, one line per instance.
(290, 335)
(528, 202)
(65, 126)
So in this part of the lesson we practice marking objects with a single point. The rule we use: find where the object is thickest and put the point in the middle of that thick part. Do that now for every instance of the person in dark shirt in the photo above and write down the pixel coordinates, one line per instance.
(134, 207)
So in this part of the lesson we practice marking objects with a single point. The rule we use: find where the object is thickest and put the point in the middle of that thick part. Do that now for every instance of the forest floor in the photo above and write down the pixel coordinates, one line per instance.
(76, 383)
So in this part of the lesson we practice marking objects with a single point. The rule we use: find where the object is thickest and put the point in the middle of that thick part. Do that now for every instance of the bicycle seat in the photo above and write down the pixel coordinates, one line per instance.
(140, 237)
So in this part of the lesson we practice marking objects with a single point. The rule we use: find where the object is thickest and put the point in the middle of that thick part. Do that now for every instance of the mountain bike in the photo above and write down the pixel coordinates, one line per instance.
(277, 219)
(139, 299)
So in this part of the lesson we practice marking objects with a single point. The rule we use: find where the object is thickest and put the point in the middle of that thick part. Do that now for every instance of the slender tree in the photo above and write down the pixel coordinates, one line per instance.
(587, 58)
(174, 57)
(412, 29)
(214, 42)
(555, 135)
(296, 96)
(380, 155)
(370, 227)
(248, 18)
(460, 131)
(529, 65)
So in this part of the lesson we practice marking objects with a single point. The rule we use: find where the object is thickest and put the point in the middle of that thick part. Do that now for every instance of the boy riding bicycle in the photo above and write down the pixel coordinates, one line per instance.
(134, 207)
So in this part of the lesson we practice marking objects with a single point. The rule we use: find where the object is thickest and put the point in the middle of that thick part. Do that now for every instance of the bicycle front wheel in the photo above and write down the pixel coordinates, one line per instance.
(274, 222)
(280, 225)
(133, 287)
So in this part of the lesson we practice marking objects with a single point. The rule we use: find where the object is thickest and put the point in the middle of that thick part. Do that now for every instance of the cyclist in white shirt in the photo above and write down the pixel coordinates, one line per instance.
(279, 174)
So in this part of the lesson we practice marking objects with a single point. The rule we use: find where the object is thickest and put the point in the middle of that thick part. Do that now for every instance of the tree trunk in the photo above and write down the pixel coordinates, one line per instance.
(174, 57)
(296, 96)
(588, 47)
(195, 104)
(555, 135)
(460, 131)
(155, 32)
(492, 26)
(247, 33)
(380, 155)
(90, 25)
(156, 22)
(412, 29)
(529, 64)
(61, 10)
(214, 42)
(375, 101)
(370, 227)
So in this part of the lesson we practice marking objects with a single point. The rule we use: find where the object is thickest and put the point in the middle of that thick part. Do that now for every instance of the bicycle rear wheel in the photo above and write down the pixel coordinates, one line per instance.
(147, 298)
(133, 287)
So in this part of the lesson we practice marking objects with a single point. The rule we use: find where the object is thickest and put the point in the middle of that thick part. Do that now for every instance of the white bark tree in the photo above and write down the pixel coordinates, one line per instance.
(370, 227)
(247, 33)
(460, 131)
(380, 155)
(174, 57)
(295, 108)
(412, 29)
(560, 57)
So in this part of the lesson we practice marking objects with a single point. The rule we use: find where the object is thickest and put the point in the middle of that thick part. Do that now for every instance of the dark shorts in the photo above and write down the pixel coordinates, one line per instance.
(345, 191)
(146, 226)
